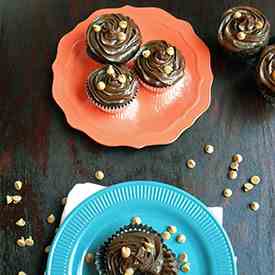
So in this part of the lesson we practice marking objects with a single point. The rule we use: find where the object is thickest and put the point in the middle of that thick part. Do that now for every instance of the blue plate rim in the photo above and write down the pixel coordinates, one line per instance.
(140, 182)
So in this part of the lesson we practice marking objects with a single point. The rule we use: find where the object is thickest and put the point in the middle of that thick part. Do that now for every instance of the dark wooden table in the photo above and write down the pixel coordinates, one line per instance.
(38, 147)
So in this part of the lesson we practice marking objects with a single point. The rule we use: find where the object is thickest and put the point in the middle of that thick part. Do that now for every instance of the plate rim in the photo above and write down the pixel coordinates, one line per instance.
(164, 185)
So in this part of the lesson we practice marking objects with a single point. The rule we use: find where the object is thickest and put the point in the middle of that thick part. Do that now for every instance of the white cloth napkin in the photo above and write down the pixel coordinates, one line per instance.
(81, 191)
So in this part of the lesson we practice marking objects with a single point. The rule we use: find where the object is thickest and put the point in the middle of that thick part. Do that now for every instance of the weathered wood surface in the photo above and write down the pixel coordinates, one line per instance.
(39, 147)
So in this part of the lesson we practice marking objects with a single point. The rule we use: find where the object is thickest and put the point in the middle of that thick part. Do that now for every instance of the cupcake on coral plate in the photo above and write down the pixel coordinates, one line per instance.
(113, 38)
(112, 88)
(136, 249)
(266, 73)
(160, 66)
(243, 31)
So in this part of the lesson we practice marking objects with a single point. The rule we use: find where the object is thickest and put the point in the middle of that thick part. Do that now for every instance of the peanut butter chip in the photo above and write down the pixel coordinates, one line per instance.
(185, 267)
(146, 53)
(89, 258)
(227, 193)
(110, 70)
(183, 257)
(248, 187)
(21, 242)
(47, 249)
(18, 185)
(21, 222)
(125, 252)
(181, 238)
(99, 175)
(51, 219)
(237, 15)
(136, 220)
(121, 36)
(259, 25)
(100, 86)
(123, 24)
(166, 235)
(122, 78)
(191, 164)
(22, 273)
(16, 199)
(170, 51)
(129, 271)
(172, 229)
(254, 206)
(234, 165)
(97, 28)
(241, 35)
(168, 69)
(255, 180)
(29, 241)
(238, 158)
(232, 174)
(209, 149)
(9, 199)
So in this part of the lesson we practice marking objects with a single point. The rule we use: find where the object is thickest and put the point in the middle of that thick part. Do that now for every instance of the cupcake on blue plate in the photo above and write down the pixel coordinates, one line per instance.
(136, 249)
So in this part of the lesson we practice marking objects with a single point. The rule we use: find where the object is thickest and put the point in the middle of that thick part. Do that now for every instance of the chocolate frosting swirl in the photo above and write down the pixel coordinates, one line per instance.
(151, 69)
(140, 259)
(243, 30)
(106, 45)
(116, 92)
(266, 71)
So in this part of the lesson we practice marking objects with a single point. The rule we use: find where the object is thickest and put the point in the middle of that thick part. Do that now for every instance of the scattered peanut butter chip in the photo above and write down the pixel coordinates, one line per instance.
(51, 219)
(136, 220)
(232, 174)
(123, 24)
(47, 249)
(21, 242)
(227, 193)
(64, 200)
(183, 257)
(234, 165)
(21, 222)
(191, 164)
(238, 158)
(18, 185)
(255, 180)
(22, 273)
(259, 25)
(99, 175)
(16, 199)
(185, 267)
(166, 235)
(96, 28)
(146, 53)
(89, 258)
(248, 187)
(9, 199)
(121, 36)
(29, 241)
(125, 252)
(100, 85)
(129, 271)
(181, 238)
(254, 206)
(172, 229)
(209, 149)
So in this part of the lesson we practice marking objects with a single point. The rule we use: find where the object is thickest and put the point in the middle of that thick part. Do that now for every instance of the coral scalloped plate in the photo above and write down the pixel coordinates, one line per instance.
(152, 119)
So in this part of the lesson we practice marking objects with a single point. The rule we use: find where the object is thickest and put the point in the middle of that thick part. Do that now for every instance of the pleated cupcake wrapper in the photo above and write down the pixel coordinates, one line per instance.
(100, 258)
(113, 109)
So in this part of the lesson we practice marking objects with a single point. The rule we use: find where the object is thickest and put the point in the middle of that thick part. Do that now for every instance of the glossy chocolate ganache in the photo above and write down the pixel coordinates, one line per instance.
(112, 86)
(113, 38)
(137, 251)
(243, 30)
(266, 73)
(160, 64)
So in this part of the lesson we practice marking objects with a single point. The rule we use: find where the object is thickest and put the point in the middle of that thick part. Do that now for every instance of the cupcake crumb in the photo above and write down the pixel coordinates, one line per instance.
(181, 238)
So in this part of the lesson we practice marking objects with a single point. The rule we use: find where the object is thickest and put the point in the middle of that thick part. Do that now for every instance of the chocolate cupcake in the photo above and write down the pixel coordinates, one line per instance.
(112, 87)
(113, 38)
(243, 31)
(136, 249)
(266, 73)
(159, 66)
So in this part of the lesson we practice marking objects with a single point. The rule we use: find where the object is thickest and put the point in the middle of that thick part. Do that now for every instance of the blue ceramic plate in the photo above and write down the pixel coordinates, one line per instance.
(159, 205)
